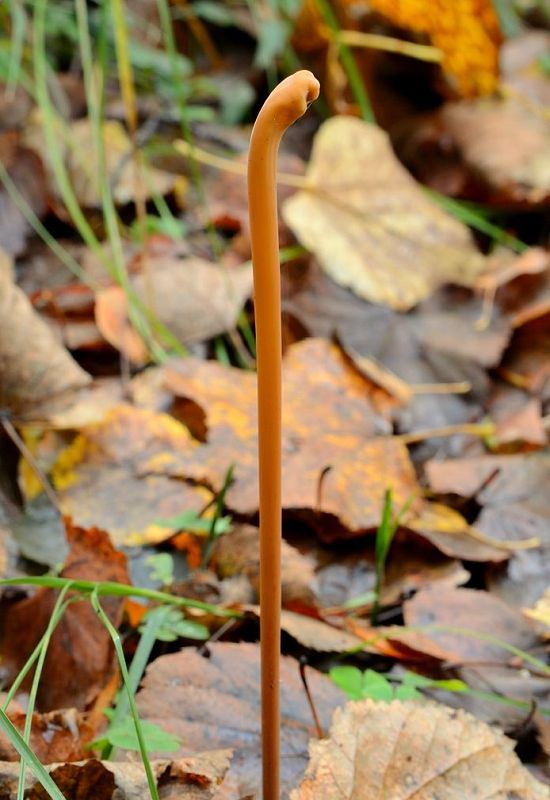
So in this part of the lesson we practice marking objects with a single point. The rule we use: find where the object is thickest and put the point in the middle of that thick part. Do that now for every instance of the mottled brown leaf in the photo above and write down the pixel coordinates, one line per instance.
(238, 553)
(193, 298)
(73, 674)
(333, 473)
(37, 374)
(216, 700)
(505, 143)
(98, 481)
(193, 778)
(515, 506)
(56, 736)
(464, 624)
(414, 751)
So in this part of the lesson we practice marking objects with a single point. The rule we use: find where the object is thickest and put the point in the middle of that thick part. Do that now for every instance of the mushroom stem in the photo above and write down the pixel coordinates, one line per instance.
(286, 103)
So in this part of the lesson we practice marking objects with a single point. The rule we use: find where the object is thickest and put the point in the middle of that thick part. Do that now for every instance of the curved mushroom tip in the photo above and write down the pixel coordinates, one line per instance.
(311, 85)
(294, 94)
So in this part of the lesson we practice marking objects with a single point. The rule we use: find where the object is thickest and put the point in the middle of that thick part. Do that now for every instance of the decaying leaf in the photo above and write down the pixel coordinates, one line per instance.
(315, 633)
(238, 553)
(515, 506)
(464, 625)
(333, 473)
(72, 675)
(37, 374)
(193, 298)
(370, 225)
(505, 144)
(193, 778)
(26, 171)
(414, 751)
(215, 700)
(98, 479)
(541, 611)
(77, 144)
(55, 736)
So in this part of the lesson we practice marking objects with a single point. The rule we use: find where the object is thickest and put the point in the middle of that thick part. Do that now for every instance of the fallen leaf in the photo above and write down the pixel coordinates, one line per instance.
(26, 171)
(98, 481)
(195, 299)
(216, 700)
(193, 778)
(382, 751)
(518, 418)
(37, 374)
(464, 624)
(447, 530)
(55, 736)
(238, 553)
(414, 563)
(78, 147)
(515, 507)
(541, 611)
(221, 408)
(72, 676)
(521, 62)
(369, 223)
(526, 363)
(468, 34)
(505, 144)
(435, 345)
(315, 634)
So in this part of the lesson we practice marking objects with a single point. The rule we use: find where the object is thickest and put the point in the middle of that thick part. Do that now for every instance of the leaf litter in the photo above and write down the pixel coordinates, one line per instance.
(416, 360)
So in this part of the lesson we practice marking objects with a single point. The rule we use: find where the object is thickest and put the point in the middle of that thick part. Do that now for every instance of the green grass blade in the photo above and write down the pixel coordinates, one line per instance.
(113, 633)
(154, 622)
(112, 589)
(57, 613)
(349, 64)
(28, 757)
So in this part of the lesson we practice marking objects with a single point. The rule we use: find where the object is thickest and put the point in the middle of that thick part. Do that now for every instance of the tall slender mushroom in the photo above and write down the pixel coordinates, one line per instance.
(286, 103)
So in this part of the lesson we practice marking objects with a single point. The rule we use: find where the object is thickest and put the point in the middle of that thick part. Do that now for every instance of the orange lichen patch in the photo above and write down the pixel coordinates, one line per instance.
(466, 31)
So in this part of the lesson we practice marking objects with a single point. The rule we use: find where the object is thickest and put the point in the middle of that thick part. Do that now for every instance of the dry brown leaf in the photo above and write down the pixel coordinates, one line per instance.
(194, 298)
(193, 778)
(72, 676)
(77, 143)
(238, 553)
(98, 480)
(26, 171)
(505, 144)
(449, 532)
(369, 223)
(55, 736)
(526, 363)
(315, 634)
(214, 701)
(220, 408)
(414, 751)
(37, 374)
(463, 625)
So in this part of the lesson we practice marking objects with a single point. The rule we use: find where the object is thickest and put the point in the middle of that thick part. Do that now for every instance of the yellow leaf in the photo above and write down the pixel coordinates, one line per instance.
(371, 226)
(466, 31)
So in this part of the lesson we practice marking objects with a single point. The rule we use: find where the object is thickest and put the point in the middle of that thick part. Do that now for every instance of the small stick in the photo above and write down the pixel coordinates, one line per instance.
(314, 714)
(286, 103)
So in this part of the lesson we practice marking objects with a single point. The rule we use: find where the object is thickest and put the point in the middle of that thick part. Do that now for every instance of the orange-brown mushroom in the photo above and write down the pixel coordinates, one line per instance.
(286, 103)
